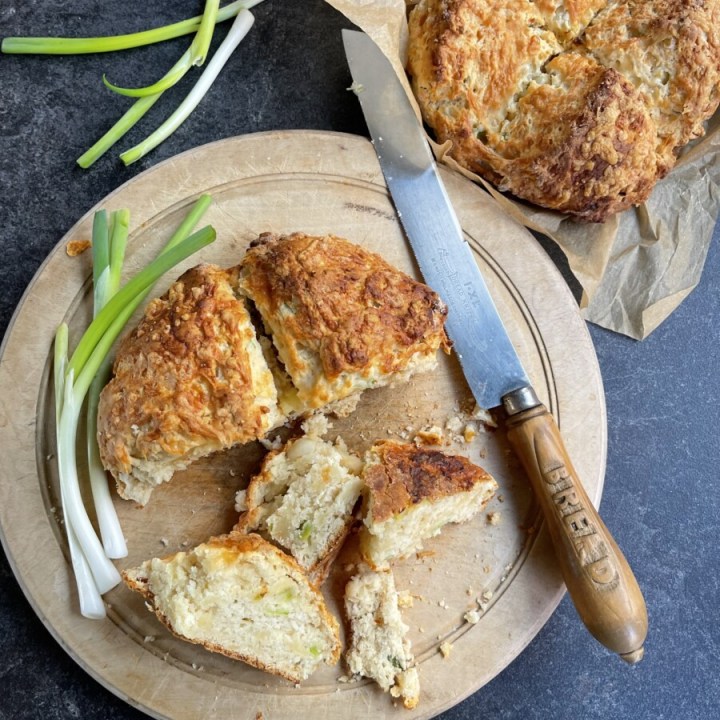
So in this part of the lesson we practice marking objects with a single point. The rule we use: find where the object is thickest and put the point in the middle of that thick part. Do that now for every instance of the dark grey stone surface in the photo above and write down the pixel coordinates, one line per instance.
(661, 496)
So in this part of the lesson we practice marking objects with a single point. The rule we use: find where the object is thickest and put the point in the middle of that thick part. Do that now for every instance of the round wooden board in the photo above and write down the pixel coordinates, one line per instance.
(318, 183)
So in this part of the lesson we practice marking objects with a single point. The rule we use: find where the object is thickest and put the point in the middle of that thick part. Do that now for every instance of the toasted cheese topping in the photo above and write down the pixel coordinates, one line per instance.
(412, 493)
(576, 105)
(189, 380)
(342, 319)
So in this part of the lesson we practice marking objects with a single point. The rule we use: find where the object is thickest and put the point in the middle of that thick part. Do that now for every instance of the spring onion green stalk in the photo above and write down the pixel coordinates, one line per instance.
(123, 125)
(91, 604)
(194, 56)
(110, 531)
(108, 254)
(240, 27)
(78, 376)
(129, 293)
(83, 46)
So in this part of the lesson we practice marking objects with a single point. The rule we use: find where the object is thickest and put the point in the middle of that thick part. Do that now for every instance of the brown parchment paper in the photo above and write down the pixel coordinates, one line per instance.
(637, 267)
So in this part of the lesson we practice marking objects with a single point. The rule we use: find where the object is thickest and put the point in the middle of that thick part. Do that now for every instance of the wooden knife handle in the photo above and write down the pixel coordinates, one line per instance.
(598, 578)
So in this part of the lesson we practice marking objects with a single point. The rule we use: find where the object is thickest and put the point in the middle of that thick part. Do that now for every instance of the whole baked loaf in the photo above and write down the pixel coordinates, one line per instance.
(576, 106)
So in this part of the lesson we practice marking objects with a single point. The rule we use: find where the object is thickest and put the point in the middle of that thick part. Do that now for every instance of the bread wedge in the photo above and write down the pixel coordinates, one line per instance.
(191, 379)
(341, 318)
(240, 596)
(378, 646)
(412, 492)
(303, 500)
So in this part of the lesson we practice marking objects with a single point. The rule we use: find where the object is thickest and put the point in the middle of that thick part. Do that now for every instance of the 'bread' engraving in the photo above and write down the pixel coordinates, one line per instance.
(589, 546)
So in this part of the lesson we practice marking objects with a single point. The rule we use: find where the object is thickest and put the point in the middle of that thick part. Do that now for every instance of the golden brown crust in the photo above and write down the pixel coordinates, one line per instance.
(184, 377)
(406, 475)
(584, 122)
(236, 544)
(334, 304)
(670, 51)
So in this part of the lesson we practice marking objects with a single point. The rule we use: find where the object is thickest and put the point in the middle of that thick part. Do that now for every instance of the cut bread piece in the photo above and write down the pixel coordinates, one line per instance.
(412, 492)
(240, 596)
(191, 379)
(378, 646)
(341, 318)
(303, 500)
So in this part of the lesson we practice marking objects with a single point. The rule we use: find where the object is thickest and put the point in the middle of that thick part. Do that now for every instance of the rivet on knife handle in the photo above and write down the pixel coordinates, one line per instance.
(599, 579)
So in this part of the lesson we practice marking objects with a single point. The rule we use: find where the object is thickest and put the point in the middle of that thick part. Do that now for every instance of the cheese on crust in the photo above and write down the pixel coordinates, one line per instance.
(189, 380)
(342, 319)
(579, 106)
(412, 492)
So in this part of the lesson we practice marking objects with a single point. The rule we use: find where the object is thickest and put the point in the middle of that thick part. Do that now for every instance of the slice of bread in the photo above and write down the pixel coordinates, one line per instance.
(240, 596)
(303, 500)
(412, 492)
(341, 318)
(378, 646)
(191, 379)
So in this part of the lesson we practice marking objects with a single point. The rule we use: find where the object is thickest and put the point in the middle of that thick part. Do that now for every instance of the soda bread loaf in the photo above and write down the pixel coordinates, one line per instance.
(240, 596)
(378, 646)
(197, 375)
(191, 379)
(576, 106)
(412, 492)
(303, 500)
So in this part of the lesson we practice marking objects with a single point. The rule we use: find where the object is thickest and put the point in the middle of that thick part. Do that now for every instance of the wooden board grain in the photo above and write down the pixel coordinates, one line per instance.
(318, 183)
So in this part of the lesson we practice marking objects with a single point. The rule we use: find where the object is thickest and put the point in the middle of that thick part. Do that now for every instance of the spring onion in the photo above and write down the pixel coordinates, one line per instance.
(118, 130)
(203, 26)
(91, 604)
(108, 253)
(194, 56)
(94, 572)
(83, 46)
(240, 27)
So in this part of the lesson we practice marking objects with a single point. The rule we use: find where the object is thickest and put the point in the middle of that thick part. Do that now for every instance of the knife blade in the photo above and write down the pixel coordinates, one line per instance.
(597, 575)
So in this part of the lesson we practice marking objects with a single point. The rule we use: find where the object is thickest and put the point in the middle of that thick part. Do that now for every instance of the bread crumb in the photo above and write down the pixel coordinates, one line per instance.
(424, 553)
(454, 424)
(483, 416)
(493, 518)
(241, 501)
(431, 436)
(405, 599)
(501, 498)
(446, 649)
(472, 617)
(469, 433)
(443, 604)
(77, 247)
(343, 679)
(164, 542)
(316, 425)
(275, 444)
(487, 596)
(344, 407)
(259, 715)
(149, 638)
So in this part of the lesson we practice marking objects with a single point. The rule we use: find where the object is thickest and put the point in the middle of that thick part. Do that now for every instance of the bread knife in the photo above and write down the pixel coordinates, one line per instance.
(597, 575)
